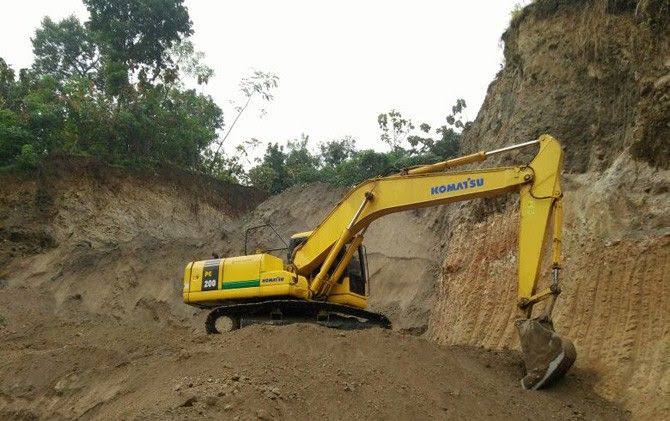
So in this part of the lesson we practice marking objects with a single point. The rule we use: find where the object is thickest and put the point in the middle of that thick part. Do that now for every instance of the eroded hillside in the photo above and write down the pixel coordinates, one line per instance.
(603, 88)
(89, 237)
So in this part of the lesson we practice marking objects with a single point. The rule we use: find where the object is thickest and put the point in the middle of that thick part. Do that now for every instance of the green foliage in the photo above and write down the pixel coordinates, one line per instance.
(189, 61)
(260, 83)
(113, 87)
(110, 88)
(271, 175)
(64, 49)
(137, 34)
(12, 136)
(284, 167)
(28, 158)
(394, 128)
(339, 163)
(335, 152)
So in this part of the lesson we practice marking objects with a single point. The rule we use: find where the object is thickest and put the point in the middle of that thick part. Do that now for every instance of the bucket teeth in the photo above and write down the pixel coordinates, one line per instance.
(547, 356)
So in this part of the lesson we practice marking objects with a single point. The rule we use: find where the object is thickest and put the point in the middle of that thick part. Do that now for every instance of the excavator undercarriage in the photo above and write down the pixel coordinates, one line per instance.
(325, 277)
(287, 311)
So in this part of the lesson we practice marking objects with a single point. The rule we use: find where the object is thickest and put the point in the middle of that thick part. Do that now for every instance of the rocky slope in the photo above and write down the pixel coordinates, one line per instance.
(603, 88)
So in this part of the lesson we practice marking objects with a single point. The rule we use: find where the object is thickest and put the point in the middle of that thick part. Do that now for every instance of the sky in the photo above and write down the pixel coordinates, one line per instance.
(340, 63)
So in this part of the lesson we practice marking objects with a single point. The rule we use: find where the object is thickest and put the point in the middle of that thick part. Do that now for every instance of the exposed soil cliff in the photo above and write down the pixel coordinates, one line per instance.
(118, 240)
(603, 87)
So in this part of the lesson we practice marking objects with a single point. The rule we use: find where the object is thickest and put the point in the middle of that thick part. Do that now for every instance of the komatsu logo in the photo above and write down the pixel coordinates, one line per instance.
(461, 185)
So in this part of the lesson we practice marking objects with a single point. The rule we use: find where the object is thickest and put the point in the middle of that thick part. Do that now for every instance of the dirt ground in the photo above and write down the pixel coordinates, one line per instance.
(103, 369)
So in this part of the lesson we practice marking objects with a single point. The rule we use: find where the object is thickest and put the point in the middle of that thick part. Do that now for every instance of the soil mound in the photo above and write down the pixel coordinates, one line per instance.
(102, 369)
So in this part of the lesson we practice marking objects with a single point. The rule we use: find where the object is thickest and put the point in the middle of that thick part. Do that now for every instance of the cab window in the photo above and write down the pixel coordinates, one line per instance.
(356, 273)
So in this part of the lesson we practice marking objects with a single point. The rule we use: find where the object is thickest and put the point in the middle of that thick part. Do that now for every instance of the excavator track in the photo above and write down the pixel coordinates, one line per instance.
(282, 312)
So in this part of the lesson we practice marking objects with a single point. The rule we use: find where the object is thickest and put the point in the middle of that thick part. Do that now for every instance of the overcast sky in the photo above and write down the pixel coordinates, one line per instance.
(340, 63)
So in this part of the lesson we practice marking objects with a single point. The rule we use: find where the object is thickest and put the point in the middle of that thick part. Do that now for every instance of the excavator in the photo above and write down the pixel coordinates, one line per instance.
(325, 276)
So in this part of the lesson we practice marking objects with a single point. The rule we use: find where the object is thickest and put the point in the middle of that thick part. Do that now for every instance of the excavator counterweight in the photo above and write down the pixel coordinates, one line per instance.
(325, 276)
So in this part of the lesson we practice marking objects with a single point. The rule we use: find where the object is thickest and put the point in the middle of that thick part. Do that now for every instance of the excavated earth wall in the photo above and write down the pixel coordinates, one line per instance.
(602, 87)
(86, 236)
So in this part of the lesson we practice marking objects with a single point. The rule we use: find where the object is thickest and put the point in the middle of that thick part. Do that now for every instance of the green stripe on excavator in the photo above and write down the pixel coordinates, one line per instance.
(241, 284)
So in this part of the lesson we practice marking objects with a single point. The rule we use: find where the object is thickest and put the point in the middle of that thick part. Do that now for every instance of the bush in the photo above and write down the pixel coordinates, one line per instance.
(28, 158)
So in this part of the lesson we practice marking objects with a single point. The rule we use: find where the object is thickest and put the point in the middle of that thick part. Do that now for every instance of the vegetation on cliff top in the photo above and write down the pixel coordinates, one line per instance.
(111, 88)
(114, 87)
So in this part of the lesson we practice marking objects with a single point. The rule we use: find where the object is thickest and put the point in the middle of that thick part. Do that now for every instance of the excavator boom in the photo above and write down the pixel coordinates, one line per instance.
(537, 183)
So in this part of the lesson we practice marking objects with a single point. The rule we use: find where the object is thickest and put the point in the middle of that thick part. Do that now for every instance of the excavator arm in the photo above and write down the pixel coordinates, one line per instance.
(537, 183)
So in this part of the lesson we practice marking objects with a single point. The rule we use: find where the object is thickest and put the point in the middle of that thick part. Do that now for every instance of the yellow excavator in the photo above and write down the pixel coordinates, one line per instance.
(325, 277)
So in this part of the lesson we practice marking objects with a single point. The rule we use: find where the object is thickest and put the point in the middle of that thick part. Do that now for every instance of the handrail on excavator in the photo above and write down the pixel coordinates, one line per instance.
(464, 160)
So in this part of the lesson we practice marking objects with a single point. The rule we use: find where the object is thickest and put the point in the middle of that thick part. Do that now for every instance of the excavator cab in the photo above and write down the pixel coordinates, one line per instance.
(352, 288)
(357, 272)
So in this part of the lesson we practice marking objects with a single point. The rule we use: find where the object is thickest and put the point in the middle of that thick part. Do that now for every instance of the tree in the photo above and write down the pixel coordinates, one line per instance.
(91, 92)
(232, 167)
(282, 167)
(271, 175)
(395, 128)
(64, 49)
(13, 136)
(335, 152)
(7, 77)
(301, 165)
(456, 117)
(135, 36)
(190, 62)
(260, 83)
(339, 163)
(446, 144)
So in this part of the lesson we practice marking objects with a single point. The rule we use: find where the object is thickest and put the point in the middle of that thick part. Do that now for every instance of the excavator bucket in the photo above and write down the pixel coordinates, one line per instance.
(547, 356)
